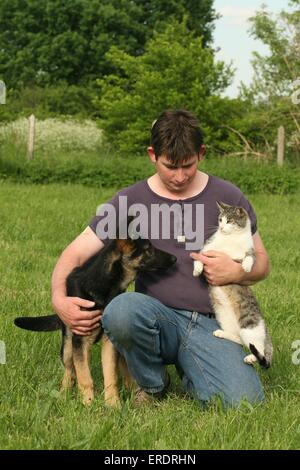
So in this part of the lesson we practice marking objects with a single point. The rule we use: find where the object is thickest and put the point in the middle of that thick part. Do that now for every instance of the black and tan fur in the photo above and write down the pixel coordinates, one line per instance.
(101, 278)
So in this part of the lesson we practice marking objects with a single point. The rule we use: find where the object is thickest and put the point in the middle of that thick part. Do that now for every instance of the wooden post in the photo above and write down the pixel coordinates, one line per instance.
(280, 146)
(30, 146)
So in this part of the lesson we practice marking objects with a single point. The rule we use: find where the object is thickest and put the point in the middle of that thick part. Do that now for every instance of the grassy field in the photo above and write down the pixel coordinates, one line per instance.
(37, 222)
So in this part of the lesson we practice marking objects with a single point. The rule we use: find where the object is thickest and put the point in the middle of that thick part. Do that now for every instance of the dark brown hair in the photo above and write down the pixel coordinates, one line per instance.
(176, 134)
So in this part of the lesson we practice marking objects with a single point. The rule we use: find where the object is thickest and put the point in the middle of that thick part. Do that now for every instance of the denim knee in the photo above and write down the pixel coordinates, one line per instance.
(116, 318)
(119, 319)
(251, 391)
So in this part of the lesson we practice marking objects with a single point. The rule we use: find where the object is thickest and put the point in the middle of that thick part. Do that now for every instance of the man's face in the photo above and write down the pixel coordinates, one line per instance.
(176, 178)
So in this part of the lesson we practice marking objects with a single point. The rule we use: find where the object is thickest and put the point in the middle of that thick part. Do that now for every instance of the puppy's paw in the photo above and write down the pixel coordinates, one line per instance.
(111, 397)
(198, 268)
(88, 397)
(113, 402)
(250, 359)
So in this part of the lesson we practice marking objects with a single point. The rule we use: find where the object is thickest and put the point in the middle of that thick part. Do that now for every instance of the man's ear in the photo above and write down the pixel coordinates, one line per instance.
(151, 154)
(202, 152)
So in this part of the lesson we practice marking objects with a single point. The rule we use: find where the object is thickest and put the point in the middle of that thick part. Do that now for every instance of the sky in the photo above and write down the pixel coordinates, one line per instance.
(232, 36)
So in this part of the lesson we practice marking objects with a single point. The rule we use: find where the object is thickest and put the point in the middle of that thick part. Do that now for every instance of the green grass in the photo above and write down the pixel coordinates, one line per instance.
(37, 222)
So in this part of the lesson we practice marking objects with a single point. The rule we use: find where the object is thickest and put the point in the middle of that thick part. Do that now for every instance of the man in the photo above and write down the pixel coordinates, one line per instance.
(169, 319)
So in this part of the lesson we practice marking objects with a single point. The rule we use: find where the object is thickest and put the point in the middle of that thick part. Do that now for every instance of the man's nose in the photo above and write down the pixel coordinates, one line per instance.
(180, 176)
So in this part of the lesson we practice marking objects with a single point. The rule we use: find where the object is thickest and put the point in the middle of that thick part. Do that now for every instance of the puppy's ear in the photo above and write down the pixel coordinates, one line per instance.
(126, 247)
(130, 229)
(123, 230)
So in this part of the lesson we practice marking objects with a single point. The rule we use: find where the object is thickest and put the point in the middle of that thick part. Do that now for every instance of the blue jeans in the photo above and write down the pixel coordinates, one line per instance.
(150, 335)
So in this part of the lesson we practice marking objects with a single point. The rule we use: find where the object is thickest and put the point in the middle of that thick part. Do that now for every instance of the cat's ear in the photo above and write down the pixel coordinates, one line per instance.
(222, 206)
(241, 212)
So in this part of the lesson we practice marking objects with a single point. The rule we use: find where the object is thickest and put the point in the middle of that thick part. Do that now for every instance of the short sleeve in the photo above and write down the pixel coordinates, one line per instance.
(105, 222)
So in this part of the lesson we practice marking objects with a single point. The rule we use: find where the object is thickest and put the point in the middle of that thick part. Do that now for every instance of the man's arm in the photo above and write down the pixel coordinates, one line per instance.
(79, 321)
(219, 269)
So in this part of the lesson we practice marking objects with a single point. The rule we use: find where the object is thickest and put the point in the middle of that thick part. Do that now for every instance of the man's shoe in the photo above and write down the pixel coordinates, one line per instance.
(141, 397)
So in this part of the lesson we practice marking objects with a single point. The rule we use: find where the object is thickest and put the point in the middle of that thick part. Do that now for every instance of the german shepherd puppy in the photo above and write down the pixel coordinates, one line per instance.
(101, 278)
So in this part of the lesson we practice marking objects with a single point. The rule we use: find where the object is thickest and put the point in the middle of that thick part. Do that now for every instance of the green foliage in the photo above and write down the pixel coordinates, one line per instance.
(62, 99)
(175, 71)
(254, 177)
(43, 43)
(273, 98)
(104, 171)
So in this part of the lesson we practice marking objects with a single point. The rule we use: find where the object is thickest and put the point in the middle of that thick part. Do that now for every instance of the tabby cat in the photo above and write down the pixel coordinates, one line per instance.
(234, 305)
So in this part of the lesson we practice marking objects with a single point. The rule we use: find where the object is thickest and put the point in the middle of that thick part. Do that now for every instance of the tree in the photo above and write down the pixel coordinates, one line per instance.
(175, 71)
(44, 42)
(276, 85)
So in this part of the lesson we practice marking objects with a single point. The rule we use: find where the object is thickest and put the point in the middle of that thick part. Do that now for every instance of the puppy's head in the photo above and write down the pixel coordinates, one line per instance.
(140, 254)
(143, 256)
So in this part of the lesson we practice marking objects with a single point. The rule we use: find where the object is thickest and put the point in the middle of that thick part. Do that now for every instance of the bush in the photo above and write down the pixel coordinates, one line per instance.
(255, 176)
(175, 71)
(108, 171)
(52, 101)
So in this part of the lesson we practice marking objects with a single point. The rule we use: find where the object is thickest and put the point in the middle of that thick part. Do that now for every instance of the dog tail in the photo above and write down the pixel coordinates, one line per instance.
(263, 360)
(46, 323)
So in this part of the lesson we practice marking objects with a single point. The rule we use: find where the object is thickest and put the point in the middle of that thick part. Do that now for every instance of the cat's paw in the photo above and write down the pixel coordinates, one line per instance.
(250, 359)
(247, 264)
(219, 334)
(198, 268)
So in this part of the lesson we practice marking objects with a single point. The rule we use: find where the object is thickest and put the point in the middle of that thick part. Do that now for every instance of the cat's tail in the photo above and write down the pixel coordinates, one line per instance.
(46, 323)
(265, 359)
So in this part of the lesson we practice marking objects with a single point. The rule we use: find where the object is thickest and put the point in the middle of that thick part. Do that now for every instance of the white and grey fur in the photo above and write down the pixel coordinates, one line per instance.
(235, 306)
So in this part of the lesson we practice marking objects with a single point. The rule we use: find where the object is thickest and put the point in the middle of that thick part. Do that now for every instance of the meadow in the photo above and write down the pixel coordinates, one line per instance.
(37, 222)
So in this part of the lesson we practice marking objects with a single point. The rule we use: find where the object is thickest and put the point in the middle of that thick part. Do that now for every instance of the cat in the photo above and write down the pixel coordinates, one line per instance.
(235, 306)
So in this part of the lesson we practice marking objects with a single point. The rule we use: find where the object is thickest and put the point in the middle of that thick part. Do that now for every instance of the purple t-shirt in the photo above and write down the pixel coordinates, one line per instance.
(177, 287)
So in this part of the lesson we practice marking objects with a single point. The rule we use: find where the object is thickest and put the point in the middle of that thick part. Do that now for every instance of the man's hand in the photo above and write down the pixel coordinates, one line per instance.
(219, 269)
(71, 311)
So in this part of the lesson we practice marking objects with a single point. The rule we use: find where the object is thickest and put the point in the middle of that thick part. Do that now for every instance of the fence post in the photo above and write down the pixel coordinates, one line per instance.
(280, 146)
(31, 132)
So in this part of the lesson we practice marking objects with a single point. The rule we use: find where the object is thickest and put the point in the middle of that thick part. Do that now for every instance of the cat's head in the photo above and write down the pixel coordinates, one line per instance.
(232, 218)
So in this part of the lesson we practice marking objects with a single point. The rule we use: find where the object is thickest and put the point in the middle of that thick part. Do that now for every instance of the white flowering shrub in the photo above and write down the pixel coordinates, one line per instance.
(54, 134)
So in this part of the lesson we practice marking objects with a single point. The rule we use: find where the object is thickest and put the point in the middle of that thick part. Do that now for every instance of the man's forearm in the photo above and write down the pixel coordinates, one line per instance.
(81, 249)
(64, 266)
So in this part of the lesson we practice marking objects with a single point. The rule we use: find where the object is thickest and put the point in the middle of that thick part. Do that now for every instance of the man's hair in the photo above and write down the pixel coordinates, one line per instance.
(176, 134)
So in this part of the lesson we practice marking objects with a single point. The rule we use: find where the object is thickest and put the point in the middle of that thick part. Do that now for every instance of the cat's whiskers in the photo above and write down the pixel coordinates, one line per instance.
(215, 227)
